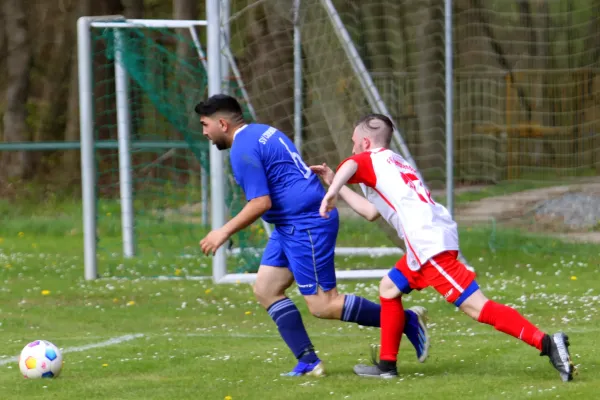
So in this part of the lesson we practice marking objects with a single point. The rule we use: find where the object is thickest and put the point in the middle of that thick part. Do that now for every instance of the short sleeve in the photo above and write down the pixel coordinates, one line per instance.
(365, 172)
(249, 172)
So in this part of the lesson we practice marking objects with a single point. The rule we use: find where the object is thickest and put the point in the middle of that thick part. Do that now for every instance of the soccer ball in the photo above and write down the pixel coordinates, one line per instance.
(40, 359)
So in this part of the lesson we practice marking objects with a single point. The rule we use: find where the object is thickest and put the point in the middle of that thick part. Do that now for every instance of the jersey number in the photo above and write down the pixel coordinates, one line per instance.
(304, 170)
(415, 184)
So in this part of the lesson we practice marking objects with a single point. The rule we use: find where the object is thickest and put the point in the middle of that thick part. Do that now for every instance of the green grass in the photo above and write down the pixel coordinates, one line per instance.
(205, 341)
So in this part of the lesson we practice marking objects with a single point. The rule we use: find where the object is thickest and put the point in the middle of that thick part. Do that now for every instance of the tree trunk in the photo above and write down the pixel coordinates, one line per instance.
(570, 40)
(3, 57)
(589, 59)
(529, 151)
(591, 55)
(372, 19)
(71, 159)
(395, 79)
(188, 88)
(499, 52)
(16, 165)
(133, 8)
(544, 57)
(334, 96)
(56, 77)
(430, 89)
(530, 55)
(544, 152)
(185, 9)
(268, 68)
(186, 53)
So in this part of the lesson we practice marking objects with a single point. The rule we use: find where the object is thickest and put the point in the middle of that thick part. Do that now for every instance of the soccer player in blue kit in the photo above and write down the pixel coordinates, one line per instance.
(281, 189)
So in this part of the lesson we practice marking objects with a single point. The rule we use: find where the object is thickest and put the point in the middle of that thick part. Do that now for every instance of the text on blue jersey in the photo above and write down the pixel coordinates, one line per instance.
(266, 162)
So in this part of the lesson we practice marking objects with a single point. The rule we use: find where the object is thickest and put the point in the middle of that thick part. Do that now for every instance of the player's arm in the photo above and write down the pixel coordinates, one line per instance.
(250, 174)
(343, 175)
(358, 203)
(250, 213)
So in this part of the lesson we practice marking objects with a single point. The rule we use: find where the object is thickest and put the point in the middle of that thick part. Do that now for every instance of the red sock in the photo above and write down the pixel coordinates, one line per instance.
(392, 326)
(508, 320)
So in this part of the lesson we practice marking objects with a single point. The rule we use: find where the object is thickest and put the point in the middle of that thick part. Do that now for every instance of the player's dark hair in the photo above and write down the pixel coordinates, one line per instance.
(386, 132)
(219, 103)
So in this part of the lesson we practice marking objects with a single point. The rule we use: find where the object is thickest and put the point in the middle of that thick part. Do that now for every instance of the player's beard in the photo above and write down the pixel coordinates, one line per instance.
(221, 144)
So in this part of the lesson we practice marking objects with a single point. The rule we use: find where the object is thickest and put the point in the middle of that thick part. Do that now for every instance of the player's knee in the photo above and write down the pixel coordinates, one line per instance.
(271, 284)
(324, 310)
(326, 305)
(320, 310)
(260, 295)
(265, 295)
(388, 289)
(473, 305)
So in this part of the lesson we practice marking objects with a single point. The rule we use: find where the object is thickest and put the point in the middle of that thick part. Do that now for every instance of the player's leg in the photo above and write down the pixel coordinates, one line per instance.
(453, 280)
(311, 254)
(392, 325)
(508, 320)
(272, 279)
(391, 288)
(502, 318)
(446, 274)
(271, 284)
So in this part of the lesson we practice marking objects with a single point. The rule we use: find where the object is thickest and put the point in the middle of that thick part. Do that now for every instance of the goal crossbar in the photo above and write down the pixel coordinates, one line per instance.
(147, 23)
(87, 140)
(88, 145)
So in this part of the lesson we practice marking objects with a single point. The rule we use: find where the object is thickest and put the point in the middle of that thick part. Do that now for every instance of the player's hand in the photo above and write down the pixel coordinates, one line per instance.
(211, 242)
(324, 172)
(327, 204)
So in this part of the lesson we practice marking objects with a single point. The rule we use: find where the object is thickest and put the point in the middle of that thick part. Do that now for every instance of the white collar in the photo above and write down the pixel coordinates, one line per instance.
(238, 130)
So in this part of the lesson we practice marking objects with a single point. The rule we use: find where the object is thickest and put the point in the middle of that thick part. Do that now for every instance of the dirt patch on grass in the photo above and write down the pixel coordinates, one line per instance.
(571, 212)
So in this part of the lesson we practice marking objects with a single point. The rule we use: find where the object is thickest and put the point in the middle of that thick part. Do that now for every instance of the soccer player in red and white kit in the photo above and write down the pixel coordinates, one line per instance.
(394, 190)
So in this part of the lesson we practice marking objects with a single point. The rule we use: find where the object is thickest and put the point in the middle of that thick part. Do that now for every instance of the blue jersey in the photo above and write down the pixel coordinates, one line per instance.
(266, 162)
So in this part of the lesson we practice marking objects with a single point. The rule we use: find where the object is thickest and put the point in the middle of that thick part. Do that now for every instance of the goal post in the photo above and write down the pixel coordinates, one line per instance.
(217, 176)
(311, 68)
(123, 62)
(123, 118)
(120, 58)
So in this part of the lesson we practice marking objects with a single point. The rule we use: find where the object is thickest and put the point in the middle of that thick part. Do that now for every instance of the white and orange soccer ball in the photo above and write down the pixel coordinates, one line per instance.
(40, 359)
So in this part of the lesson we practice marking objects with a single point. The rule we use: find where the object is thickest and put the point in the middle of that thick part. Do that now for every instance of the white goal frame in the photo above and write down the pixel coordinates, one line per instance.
(216, 55)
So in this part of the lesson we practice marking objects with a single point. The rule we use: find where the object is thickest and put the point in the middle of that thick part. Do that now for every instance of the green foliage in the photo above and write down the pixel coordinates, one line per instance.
(167, 78)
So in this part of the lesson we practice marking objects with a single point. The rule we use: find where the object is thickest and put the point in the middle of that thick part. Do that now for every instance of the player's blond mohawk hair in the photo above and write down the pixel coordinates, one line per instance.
(378, 127)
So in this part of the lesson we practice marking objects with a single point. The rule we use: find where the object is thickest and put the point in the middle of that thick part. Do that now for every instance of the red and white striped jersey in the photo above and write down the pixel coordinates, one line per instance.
(396, 189)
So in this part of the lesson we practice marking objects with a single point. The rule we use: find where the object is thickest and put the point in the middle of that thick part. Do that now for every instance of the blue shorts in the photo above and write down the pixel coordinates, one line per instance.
(308, 253)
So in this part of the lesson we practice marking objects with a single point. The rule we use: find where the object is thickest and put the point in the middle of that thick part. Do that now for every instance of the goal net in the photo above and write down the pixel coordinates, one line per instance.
(145, 162)
(524, 93)
(147, 171)
(523, 111)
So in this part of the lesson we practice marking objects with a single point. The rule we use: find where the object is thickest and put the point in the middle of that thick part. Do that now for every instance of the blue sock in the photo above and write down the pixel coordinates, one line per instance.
(362, 311)
(366, 313)
(291, 328)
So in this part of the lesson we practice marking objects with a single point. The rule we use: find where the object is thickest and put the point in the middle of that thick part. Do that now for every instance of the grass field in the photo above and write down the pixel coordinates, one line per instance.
(135, 338)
